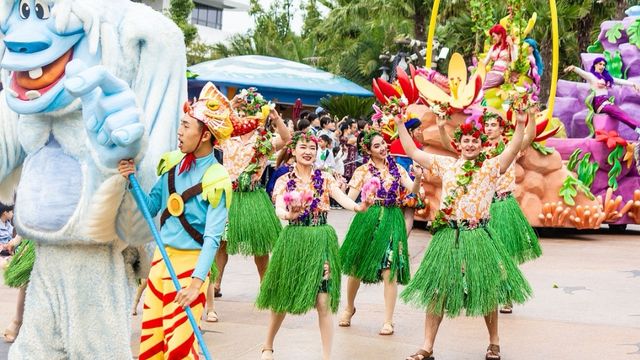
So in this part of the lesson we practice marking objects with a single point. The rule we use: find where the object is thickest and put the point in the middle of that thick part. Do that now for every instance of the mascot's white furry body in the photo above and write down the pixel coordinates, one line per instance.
(70, 198)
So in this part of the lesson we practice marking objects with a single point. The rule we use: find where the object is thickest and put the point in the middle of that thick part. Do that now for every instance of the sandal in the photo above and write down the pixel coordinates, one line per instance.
(217, 293)
(266, 354)
(212, 316)
(387, 329)
(493, 352)
(11, 333)
(421, 355)
(345, 320)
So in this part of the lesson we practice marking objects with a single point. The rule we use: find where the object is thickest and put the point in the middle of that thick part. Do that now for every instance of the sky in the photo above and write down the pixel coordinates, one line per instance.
(239, 22)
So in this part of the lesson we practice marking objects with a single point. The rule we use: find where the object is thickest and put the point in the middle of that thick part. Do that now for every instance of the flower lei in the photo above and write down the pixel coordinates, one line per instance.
(395, 108)
(387, 197)
(318, 183)
(463, 180)
(262, 148)
(253, 104)
(496, 150)
(442, 110)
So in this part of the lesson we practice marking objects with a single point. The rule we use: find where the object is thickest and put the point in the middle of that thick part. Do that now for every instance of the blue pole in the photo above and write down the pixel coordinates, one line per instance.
(142, 205)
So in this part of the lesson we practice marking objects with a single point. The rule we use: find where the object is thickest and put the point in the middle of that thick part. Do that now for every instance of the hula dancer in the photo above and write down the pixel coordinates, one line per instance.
(464, 268)
(375, 249)
(192, 194)
(507, 220)
(305, 270)
(253, 225)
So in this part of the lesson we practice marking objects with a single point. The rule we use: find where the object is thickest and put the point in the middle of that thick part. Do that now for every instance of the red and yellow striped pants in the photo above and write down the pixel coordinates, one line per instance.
(166, 331)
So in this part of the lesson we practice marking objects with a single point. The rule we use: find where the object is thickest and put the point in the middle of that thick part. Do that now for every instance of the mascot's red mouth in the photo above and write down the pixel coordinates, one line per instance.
(32, 84)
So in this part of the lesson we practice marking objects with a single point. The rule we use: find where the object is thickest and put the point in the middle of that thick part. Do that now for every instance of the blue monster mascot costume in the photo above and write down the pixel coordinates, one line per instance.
(86, 83)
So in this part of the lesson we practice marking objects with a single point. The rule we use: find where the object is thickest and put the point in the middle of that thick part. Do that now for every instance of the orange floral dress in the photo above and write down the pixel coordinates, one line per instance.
(237, 155)
(473, 205)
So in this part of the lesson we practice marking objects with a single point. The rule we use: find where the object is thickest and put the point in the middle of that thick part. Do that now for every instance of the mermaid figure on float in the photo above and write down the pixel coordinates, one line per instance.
(600, 82)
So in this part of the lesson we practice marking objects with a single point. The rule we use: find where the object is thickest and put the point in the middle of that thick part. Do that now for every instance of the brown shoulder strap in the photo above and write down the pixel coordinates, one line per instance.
(186, 196)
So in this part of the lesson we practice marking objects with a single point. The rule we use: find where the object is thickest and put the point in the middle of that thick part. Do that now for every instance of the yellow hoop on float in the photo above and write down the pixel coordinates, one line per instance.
(432, 32)
(554, 39)
(555, 58)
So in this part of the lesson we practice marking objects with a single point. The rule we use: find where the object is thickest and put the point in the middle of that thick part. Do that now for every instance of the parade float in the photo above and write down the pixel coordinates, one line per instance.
(579, 182)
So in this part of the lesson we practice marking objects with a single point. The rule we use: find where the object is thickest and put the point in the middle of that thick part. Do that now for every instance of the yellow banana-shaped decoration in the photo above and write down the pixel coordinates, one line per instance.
(530, 24)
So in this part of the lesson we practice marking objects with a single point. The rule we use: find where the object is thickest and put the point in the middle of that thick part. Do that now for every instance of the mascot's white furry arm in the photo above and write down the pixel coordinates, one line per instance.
(87, 83)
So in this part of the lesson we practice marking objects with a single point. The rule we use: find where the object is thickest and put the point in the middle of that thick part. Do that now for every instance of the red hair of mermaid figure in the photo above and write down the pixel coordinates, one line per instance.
(502, 32)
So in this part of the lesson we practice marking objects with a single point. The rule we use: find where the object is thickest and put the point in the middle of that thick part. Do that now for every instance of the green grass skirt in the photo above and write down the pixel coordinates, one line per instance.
(513, 230)
(213, 273)
(295, 273)
(466, 270)
(253, 224)
(19, 269)
(375, 236)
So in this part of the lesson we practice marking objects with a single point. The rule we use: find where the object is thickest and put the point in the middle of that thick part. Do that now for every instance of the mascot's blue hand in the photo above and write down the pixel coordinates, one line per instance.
(109, 109)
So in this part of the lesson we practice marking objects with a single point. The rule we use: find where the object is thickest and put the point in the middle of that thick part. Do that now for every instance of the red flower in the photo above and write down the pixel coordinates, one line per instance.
(448, 211)
(611, 138)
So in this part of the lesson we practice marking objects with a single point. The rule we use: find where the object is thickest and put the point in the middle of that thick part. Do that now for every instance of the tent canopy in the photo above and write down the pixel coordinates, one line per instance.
(276, 79)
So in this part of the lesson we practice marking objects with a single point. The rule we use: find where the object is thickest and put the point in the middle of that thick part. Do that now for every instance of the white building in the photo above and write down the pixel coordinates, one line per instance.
(208, 16)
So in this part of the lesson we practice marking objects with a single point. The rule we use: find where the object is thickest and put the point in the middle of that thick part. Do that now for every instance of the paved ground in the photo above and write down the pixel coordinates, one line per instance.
(586, 306)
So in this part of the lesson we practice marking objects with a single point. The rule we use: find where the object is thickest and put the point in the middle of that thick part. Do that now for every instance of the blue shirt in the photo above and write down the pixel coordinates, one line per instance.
(208, 220)
(6, 232)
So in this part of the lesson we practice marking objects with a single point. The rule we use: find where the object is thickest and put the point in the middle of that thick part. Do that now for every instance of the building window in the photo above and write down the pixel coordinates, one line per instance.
(207, 16)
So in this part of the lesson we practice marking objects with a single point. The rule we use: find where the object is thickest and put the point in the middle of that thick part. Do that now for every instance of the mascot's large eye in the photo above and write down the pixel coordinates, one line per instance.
(24, 8)
(42, 9)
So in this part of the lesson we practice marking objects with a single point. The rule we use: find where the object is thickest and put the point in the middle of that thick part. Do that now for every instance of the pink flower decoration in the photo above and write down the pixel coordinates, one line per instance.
(306, 197)
(291, 198)
(370, 188)
(378, 113)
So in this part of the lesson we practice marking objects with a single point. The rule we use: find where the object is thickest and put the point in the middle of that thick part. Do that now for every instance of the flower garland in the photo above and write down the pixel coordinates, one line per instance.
(253, 104)
(387, 197)
(442, 110)
(463, 180)
(262, 148)
(301, 136)
(496, 149)
(318, 186)
(367, 138)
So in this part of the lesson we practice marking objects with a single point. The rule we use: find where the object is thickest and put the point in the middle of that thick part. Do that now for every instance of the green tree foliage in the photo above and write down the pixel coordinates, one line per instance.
(345, 105)
(180, 13)
(349, 37)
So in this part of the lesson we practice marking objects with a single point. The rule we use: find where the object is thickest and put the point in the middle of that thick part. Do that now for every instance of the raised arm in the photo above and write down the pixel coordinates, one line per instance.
(411, 149)
(529, 132)
(283, 133)
(587, 76)
(444, 136)
(412, 185)
(510, 153)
